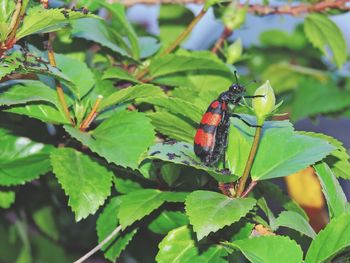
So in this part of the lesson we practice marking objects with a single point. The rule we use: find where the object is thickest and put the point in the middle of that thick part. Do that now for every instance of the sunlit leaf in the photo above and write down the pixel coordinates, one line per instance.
(40, 20)
(330, 241)
(116, 138)
(336, 199)
(140, 203)
(86, 182)
(258, 249)
(217, 209)
(21, 159)
(179, 246)
(322, 33)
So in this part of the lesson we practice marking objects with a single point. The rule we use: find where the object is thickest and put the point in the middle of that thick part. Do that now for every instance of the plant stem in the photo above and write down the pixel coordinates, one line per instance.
(59, 89)
(225, 34)
(177, 41)
(185, 33)
(249, 188)
(16, 20)
(99, 246)
(92, 115)
(248, 166)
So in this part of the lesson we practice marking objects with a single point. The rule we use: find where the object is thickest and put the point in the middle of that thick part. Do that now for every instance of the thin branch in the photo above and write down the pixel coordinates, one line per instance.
(15, 22)
(99, 246)
(185, 33)
(225, 34)
(59, 89)
(248, 166)
(259, 9)
(93, 113)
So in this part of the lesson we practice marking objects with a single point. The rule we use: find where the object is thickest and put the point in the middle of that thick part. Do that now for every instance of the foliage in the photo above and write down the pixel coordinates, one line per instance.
(99, 128)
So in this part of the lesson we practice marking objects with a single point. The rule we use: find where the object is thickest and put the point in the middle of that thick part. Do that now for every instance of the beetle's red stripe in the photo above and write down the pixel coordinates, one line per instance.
(215, 104)
(224, 106)
(211, 119)
(204, 139)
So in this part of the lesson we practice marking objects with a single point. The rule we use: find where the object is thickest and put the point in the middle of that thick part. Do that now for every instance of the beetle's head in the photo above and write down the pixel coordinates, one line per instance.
(236, 89)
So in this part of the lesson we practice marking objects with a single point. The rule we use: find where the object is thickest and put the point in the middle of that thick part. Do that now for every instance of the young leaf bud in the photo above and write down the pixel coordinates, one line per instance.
(234, 17)
(264, 106)
(234, 52)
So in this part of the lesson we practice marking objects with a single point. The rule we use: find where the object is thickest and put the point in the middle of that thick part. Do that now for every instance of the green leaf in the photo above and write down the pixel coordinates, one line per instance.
(7, 199)
(285, 76)
(322, 33)
(217, 209)
(148, 46)
(99, 32)
(41, 101)
(6, 9)
(312, 92)
(125, 186)
(258, 249)
(121, 21)
(182, 153)
(40, 20)
(173, 126)
(140, 203)
(28, 91)
(289, 154)
(180, 247)
(25, 63)
(166, 221)
(120, 74)
(176, 106)
(244, 232)
(86, 182)
(295, 221)
(330, 241)
(131, 93)
(43, 112)
(21, 159)
(171, 64)
(336, 199)
(339, 158)
(278, 38)
(281, 151)
(117, 139)
(173, 20)
(269, 214)
(45, 220)
(78, 72)
(106, 223)
(176, 197)
(9, 64)
(170, 173)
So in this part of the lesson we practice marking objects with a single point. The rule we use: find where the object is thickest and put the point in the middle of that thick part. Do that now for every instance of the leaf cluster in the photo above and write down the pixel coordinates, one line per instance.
(125, 160)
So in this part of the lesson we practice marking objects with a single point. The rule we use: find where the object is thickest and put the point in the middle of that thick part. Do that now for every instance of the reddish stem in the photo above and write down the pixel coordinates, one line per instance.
(225, 34)
(249, 188)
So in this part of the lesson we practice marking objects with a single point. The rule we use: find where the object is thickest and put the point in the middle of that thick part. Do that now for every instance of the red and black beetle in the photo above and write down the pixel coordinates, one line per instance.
(210, 140)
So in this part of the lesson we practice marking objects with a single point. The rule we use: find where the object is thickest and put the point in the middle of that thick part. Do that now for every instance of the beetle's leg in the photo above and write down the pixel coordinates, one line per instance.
(225, 170)
(253, 97)
(239, 117)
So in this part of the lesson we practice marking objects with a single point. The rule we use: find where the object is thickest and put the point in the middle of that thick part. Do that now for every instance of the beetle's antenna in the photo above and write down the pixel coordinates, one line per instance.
(236, 76)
